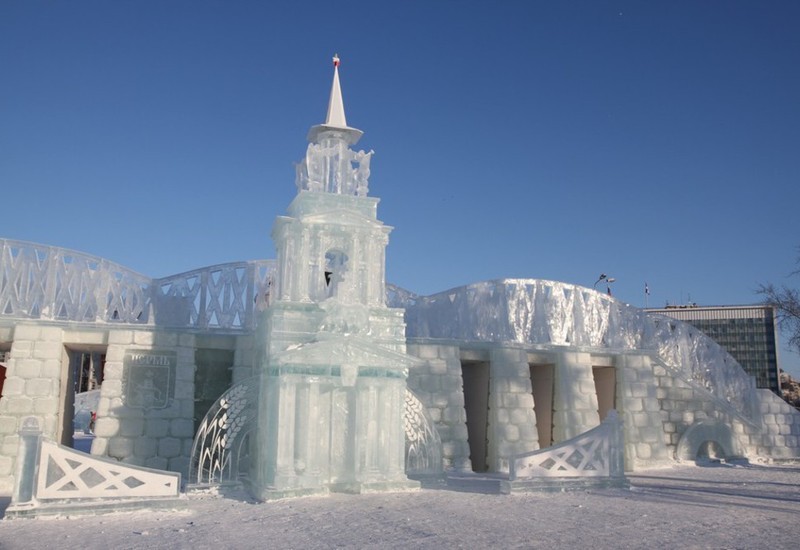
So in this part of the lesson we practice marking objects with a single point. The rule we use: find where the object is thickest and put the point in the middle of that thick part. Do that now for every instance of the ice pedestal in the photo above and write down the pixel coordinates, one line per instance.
(331, 419)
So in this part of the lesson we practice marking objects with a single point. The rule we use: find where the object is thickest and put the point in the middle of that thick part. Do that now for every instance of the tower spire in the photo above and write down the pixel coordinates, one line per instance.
(336, 116)
(335, 120)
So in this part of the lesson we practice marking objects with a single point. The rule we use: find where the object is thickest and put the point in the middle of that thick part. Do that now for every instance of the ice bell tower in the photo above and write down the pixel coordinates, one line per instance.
(334, 367)
(331, 244)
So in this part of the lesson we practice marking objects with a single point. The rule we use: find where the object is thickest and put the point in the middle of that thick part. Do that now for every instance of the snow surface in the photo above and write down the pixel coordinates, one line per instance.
(719, 506)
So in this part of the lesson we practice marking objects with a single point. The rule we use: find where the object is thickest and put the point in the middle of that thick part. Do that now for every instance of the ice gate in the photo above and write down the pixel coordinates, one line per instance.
(310, 374)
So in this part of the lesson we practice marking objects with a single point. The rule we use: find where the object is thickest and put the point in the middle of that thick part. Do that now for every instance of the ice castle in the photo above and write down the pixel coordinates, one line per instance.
(309, 374)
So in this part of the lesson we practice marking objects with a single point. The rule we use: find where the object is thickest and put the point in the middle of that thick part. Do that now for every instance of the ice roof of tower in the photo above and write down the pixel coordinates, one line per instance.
(336, 119)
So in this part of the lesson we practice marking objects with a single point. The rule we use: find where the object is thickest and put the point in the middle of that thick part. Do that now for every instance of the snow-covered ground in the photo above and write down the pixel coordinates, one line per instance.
(715, 506)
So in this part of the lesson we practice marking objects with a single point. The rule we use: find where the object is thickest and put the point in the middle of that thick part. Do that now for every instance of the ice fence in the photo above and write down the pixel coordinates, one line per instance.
(56, 284)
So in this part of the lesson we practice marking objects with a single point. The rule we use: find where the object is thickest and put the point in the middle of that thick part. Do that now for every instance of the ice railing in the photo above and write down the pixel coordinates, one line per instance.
(52, 476)
(224, 296)
(45, 282)
(57, 284)
(598, 452)
(537, 312)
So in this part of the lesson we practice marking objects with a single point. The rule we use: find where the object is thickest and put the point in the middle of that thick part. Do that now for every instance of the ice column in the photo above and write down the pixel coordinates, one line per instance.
(575, 399)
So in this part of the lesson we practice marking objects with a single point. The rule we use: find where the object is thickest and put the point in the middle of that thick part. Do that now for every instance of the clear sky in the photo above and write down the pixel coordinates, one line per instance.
(656, 142)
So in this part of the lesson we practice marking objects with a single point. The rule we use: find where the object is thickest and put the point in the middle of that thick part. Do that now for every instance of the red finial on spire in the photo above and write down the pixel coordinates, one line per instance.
(336, 60)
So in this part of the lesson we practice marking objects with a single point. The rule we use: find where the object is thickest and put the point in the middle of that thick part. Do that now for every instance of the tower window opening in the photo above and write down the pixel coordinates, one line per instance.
(335, 267)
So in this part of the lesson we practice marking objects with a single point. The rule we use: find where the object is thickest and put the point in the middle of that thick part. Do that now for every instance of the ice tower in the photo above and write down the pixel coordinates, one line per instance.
(334, 366)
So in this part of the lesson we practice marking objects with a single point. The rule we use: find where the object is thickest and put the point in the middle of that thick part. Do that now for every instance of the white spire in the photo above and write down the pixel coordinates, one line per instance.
(336, 116)
(335, 121)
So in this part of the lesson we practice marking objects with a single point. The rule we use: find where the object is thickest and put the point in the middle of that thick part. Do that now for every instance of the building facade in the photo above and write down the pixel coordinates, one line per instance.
(748, 332)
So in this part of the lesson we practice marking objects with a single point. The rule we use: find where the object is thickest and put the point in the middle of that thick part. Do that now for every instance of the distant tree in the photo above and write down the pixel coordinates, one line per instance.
(787, 301)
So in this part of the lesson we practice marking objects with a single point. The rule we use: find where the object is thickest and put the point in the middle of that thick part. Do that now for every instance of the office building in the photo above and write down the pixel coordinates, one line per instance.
(749, 333)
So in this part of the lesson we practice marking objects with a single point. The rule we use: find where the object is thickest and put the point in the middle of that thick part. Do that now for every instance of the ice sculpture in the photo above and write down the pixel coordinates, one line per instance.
(326, 409)
(333, 371)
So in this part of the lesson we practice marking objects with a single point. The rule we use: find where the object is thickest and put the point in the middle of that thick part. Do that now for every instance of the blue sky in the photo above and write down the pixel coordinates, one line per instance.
(652, 141)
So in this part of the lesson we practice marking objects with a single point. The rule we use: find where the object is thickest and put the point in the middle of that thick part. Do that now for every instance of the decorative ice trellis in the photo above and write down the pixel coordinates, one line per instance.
(221, 444)
(597, 454)
(220, 449)
(423, 445)
(551, 313)
(50, 283)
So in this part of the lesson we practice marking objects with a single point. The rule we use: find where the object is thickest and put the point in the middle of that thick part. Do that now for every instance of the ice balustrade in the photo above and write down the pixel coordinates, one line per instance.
(220, 451)
(50, 475)
(534, 312)
(56, 284)
(597, 454)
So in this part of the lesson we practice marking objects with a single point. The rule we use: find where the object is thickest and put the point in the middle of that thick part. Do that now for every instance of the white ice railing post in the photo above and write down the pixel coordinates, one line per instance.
(30, 444)
(616, 445)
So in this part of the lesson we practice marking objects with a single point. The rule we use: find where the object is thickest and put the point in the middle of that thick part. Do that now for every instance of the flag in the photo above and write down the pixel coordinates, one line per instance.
(646, 289)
